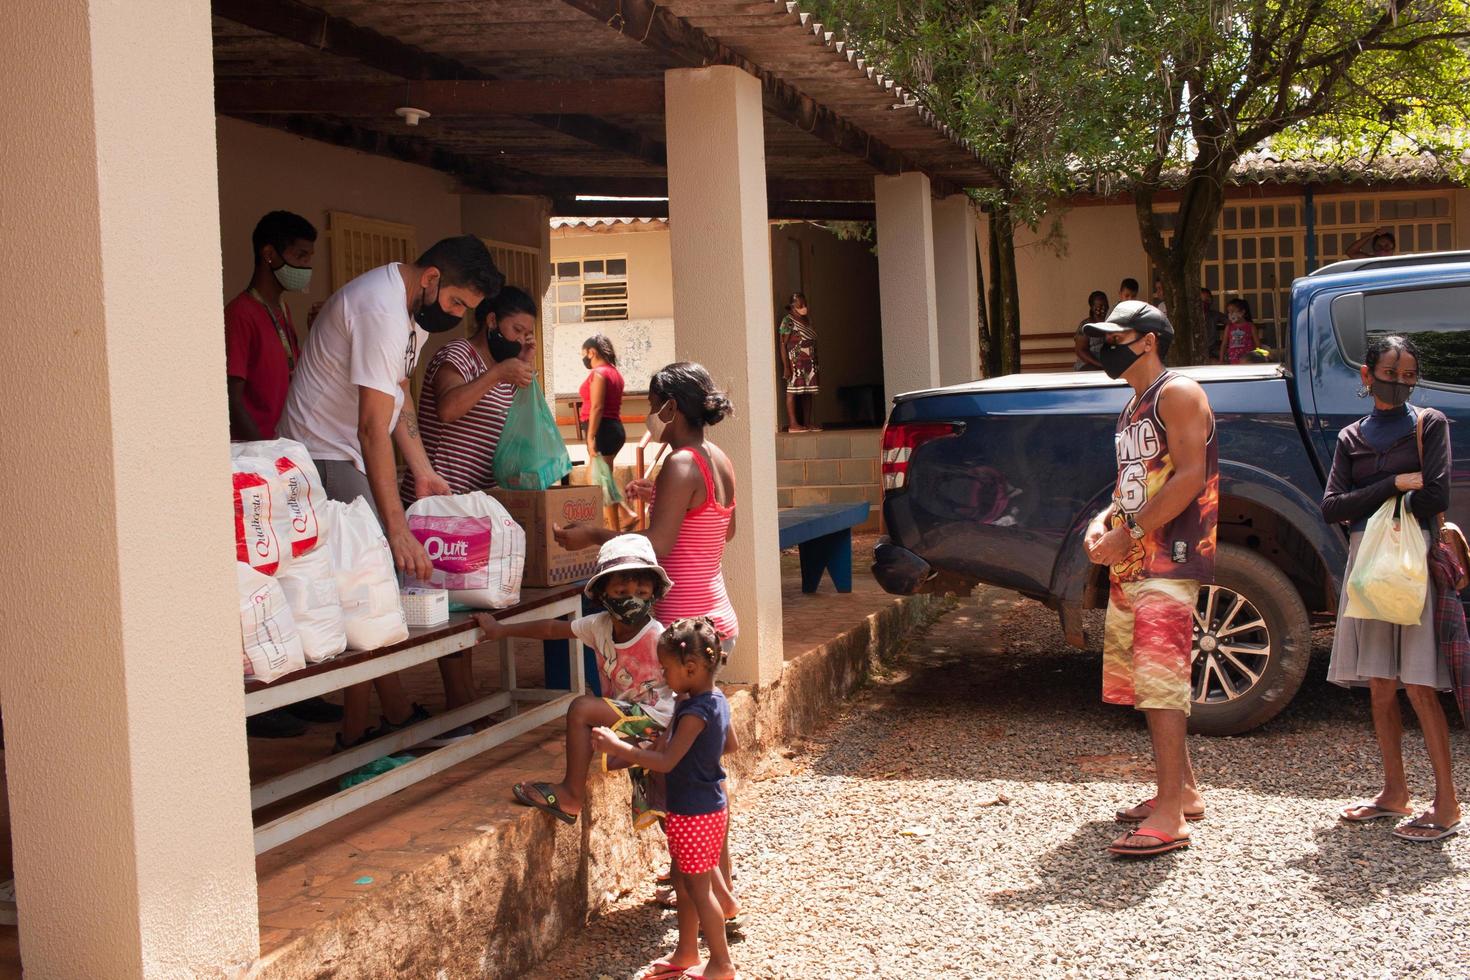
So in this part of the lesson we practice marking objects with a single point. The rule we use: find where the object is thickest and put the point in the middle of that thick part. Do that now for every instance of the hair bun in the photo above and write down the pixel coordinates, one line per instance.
(717, 407)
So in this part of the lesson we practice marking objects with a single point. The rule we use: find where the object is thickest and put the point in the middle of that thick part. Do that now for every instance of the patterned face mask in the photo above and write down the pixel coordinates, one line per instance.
(628, 610)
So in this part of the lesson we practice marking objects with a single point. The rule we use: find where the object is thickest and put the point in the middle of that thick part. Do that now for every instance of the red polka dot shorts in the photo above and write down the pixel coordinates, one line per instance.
(695, 841)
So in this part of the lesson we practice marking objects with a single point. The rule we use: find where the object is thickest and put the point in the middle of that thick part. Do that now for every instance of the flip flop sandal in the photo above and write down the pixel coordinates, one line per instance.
(548, 795)
(735, 925)
(1375, 812)
(1440, 831)
(661, 970)
(1123, 816)
(1165, 844)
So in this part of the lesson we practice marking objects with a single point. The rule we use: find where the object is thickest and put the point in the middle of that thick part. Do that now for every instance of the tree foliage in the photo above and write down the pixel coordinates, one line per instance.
(1156, 95)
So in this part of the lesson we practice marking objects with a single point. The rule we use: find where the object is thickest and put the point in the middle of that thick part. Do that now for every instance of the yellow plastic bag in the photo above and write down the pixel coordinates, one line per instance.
(1391, 576)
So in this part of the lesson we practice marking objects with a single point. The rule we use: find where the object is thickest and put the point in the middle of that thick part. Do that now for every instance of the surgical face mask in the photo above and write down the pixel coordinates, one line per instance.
(657, 424)
(1116, 359)
(629, 610)
(433, 318)
(501, 347)
(1393, 393)
(1235, 316)
(293, 277)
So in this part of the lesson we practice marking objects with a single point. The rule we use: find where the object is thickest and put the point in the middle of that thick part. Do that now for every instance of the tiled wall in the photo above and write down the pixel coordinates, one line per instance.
(830, 467)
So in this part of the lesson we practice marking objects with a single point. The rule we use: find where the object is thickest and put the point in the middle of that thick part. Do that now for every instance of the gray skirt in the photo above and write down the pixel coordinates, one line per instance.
(1363, 649)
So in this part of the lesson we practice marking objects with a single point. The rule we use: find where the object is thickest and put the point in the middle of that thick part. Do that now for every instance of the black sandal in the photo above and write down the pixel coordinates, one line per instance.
(548, 795)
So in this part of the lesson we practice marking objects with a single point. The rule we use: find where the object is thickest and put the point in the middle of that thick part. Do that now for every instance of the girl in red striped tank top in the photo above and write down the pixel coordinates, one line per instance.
(692, 516)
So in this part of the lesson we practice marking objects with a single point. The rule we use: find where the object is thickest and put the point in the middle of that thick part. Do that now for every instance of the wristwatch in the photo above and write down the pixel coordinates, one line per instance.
(1135, 530)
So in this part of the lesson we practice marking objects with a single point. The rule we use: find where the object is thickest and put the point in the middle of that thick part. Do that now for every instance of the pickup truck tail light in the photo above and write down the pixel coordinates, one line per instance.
(899, 443)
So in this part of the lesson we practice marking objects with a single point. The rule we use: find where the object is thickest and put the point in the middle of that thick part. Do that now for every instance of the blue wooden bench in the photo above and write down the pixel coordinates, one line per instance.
(823, 535)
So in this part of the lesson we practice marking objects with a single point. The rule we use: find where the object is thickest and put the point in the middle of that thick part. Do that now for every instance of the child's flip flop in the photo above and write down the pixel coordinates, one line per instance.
(548, 794)
(1374, 812)
(1440, 832)
(1163, 843)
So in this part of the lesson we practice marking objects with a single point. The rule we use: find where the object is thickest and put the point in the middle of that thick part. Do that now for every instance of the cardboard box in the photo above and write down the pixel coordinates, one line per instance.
(547, 563)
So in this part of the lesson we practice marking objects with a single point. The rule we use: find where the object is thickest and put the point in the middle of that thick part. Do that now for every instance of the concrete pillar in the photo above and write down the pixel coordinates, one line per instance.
(906, 283)
(723, 319)
(120, 671)
(956, 296)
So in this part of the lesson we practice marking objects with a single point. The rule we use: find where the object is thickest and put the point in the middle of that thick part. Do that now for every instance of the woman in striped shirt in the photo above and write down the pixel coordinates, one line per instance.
(467, 391)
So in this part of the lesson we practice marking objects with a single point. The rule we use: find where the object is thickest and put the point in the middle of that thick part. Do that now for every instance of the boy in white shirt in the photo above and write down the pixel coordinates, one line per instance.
(349, 406)
(638, 704)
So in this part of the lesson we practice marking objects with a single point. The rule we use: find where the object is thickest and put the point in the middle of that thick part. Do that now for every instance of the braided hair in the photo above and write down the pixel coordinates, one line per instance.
(694, 639)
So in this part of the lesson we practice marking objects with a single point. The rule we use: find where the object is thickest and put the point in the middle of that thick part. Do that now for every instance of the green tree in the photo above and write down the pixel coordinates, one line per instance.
(1008, 76)
(1209, 80)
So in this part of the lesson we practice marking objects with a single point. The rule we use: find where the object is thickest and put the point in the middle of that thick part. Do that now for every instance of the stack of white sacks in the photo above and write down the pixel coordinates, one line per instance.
(316, 576)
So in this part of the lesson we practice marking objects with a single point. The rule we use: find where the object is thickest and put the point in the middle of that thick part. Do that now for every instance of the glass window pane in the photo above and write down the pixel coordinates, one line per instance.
(1232, 249)
(1436, 319)
(1365, 211)
(1247, 248)
(1247, 217)
(1268, 307)
(568, 270)
(1287, 244)
(1212, 279)
(1268, 247)
(591, 265)
(1328, 251)
(1232, 278)
(1268, 275)
(1229, 219)
(1286, 215)
(1248, 275)
(1287, 272)
(1424, 207)
(1327, 213)
(1442, 237)
(1441, 207)
(568, 294)
(1268, 217)
(569, 314)
(617, 267)
(1347, 212)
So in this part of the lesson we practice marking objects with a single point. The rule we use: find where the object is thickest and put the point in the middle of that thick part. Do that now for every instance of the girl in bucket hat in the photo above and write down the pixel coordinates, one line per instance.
(639, 705)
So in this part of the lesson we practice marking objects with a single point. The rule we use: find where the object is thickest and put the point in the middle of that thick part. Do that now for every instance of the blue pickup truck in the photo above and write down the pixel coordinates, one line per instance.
(995, 481)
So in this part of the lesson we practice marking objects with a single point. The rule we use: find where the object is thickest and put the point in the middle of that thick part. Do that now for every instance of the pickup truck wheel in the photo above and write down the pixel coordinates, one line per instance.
(1252, 643)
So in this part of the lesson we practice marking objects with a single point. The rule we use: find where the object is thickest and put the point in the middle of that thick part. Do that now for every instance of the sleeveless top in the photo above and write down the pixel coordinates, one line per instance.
(695, 562)
(612, 393)
(1184, 548)
(460, 451)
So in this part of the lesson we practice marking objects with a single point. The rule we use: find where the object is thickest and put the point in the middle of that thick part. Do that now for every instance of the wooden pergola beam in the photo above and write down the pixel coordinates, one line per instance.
(666, 32)
(776, 209)
(338, 36)
(442, 97)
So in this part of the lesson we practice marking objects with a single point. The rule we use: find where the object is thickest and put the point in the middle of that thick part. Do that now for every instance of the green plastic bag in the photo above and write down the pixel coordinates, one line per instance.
(602, 476)
(531, 454)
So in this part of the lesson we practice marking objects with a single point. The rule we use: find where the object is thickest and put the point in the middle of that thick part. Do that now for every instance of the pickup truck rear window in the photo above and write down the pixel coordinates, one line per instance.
(1436, 319)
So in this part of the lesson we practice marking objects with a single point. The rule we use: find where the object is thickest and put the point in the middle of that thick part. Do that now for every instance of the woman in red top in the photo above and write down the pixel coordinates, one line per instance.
(602, 407)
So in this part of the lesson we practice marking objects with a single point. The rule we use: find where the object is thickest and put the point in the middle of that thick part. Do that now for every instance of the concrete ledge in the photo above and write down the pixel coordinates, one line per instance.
(510, 882)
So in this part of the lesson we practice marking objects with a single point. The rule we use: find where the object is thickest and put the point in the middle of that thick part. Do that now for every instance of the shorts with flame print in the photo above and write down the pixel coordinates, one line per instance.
(1148, 638)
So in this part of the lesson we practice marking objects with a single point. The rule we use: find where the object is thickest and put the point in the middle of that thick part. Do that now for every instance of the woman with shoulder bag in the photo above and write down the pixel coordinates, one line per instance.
(1377, 457)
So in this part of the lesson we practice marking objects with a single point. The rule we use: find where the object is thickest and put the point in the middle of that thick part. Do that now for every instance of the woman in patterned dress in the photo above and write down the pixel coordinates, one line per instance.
(799, 365)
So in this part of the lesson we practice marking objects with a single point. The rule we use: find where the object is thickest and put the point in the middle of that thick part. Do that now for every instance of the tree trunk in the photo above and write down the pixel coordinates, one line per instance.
(995, 311)
(1178, 263)
(987, 370)
(1005, 314)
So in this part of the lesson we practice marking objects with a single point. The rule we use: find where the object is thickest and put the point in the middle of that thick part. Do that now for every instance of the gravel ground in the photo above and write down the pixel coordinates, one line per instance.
(881, 848)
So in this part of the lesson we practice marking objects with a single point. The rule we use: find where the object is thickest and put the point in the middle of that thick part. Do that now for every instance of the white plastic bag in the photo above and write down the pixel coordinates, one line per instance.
(1390, 577)
(262, 524)
(299, 492)
(310, 584)
(267, 630)
(478, 550)
(366, 581)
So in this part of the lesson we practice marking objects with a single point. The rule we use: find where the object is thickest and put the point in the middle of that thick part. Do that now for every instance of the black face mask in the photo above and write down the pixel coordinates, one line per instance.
(1117, 359)
(628, 610)
(431, 316)
(587, 363)
(501, 349)
(1393, 393)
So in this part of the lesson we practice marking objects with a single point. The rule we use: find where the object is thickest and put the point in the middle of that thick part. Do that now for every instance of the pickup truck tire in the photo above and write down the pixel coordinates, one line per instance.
(1252, 644)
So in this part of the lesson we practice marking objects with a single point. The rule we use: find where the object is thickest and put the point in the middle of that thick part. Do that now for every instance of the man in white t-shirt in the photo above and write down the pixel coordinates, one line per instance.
(349, 403)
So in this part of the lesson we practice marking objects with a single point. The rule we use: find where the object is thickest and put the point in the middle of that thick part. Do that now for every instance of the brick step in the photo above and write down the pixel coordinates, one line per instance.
(838, 444)
(827, 472)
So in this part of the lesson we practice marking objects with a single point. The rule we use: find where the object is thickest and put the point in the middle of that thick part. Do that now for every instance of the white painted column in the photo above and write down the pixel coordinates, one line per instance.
(956, 299)
(723, 319)
(906, 283)
(120, 672)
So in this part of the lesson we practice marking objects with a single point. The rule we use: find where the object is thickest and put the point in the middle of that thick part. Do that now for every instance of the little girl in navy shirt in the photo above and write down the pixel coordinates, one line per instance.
(689, 752)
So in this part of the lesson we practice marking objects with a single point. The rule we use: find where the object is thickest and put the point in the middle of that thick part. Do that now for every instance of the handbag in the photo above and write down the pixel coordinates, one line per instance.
(1447, 533)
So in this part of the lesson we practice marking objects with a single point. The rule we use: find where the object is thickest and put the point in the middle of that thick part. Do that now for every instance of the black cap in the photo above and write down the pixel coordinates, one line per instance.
(1132, 314)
